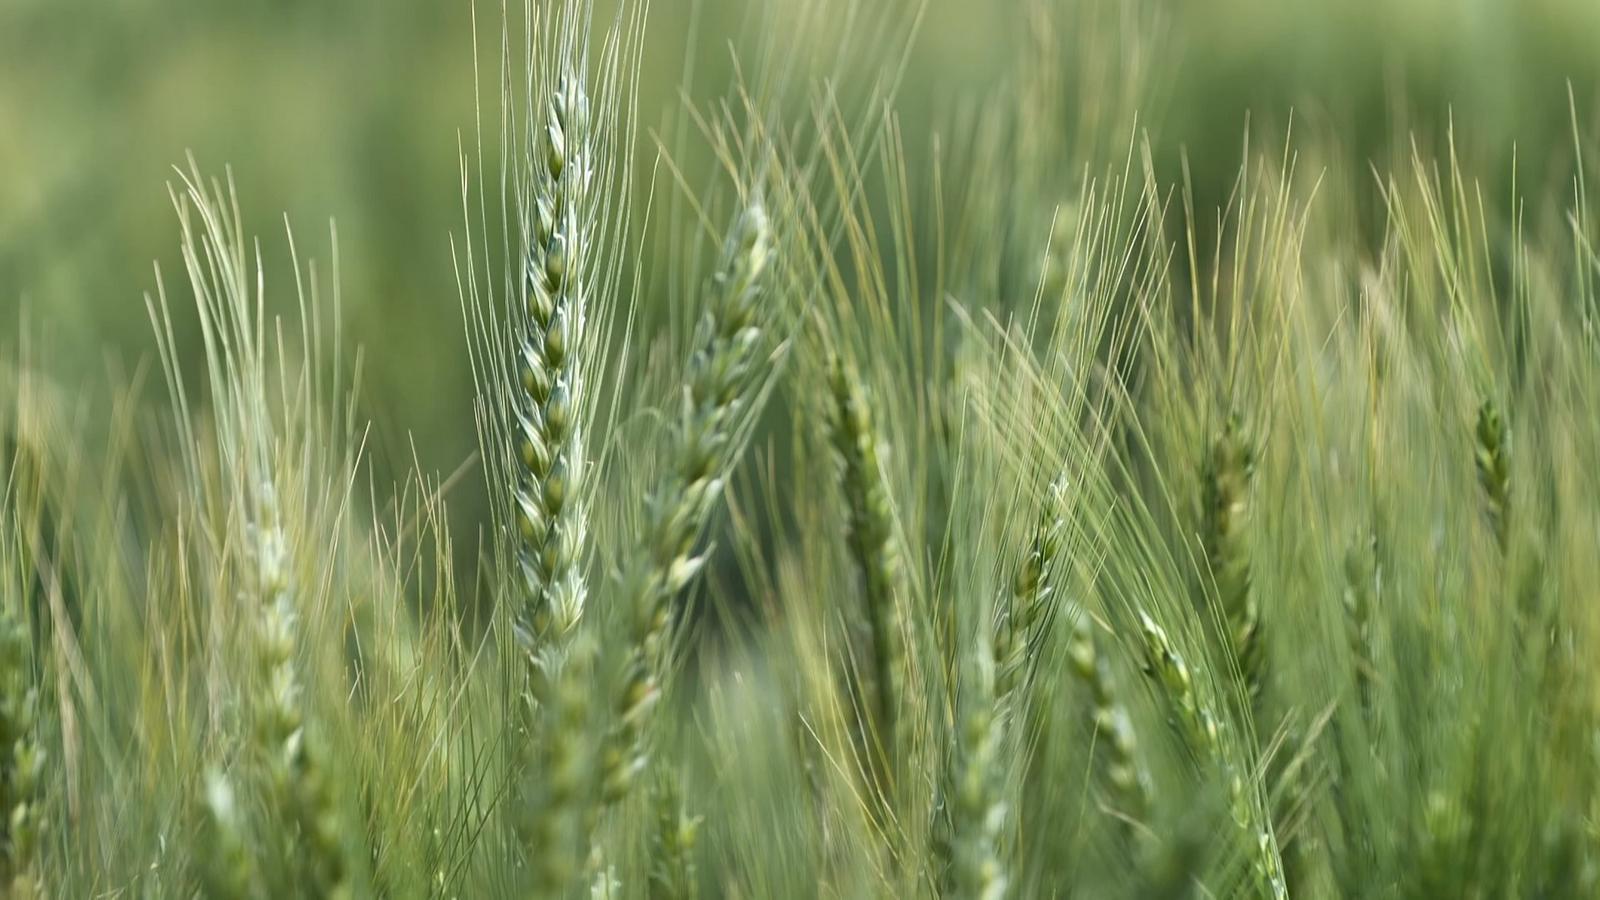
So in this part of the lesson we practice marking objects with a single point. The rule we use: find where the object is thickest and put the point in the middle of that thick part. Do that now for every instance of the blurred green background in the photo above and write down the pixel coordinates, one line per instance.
(350, 110)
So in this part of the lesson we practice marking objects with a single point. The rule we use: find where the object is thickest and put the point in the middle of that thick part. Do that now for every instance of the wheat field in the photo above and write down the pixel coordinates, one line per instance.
(860, 507)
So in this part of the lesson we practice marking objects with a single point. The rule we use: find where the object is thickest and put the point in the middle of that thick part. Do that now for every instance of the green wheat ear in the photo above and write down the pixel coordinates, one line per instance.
(1203, 733)
(22, 762)
(552, 521)
(674, 874)
(978, 814)
(1492, 453)
(870, 535)
(1125, 770)
(553, 812)
(1032, 598)
(723, 390)
(1226, 487)
(1362, 580)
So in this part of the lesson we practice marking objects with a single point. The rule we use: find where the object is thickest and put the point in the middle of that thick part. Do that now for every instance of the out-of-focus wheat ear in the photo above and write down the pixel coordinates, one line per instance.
(227, 869)
(978, 814)
(1203, 733)
(1492, 453)
(22, 762)
(870, 532)
(1125, 769)
(723, 388)
(324, 850)
(303, 788)
(1362, 580)
(549, 497)
(673, 872)
(554, 808)
(1226, 486)
(1032, 599)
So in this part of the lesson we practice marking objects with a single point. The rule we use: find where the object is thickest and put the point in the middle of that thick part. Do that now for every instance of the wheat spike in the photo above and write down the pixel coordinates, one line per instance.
(722, 390)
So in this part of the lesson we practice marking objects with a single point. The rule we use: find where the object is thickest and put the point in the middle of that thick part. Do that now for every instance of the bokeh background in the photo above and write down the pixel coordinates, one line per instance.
(350, 110)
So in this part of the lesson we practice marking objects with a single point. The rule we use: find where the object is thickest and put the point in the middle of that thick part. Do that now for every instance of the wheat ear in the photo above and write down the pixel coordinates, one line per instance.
(1492, 453)
(227, 869)
(723, 387)
(22, 762)
(673, 873)
(301, 792)
(978, 815)
(1226, 487)
(1125, 771)
(554, 811)
(1202, 731)
(552, 520)
(870, 533)
(301, 782)
(1032, 597)
(1362, 579)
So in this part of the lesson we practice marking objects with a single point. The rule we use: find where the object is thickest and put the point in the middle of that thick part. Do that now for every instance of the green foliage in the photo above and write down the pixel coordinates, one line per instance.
(976, 523)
